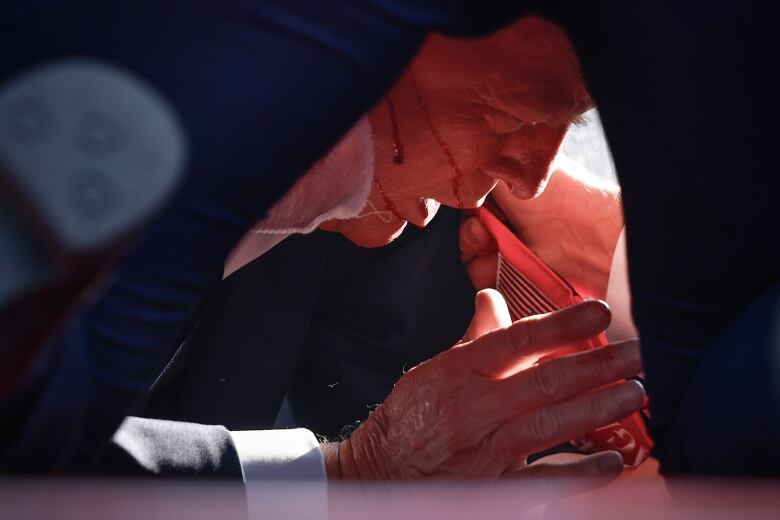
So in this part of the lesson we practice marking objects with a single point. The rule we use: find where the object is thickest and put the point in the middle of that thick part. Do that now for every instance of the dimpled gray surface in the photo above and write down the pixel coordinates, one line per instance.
(93, 148)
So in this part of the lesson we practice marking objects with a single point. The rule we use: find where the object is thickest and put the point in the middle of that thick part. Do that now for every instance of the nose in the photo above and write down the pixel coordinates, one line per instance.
(524, 158)
(472, 189)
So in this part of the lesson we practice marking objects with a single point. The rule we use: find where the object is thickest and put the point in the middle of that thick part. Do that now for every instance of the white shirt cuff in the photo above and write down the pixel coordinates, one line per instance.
(270, 456)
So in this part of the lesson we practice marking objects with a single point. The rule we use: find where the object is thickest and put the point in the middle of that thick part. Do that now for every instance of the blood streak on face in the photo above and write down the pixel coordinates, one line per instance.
(458, 173)
(398, 145)
(472, 112)
(398, 158)
(389, 204)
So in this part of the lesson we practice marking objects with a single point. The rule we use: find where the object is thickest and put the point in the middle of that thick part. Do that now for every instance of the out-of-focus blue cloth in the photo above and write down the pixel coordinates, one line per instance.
(689, 106)
(738, 380)
(262, 89)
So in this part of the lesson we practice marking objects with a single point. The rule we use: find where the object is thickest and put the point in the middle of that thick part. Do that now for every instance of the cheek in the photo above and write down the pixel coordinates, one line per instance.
(458, 181)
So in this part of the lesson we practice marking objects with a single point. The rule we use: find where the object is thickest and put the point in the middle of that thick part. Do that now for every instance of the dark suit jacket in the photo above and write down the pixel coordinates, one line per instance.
(327, 323)
(260, 94)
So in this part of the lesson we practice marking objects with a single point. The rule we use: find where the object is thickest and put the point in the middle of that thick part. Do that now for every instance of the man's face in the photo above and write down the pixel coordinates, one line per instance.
(466, 113)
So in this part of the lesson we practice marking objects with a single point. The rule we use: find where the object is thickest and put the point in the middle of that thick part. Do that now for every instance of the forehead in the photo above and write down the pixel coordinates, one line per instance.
(529, 67)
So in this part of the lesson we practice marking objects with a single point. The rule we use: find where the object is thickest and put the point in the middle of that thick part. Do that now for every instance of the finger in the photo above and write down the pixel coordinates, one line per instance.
(475, 239)
(500, 351)
(606, 465)
(490, 313)
(564, 378)
(482, 271)
(548, 426)
(586, 473)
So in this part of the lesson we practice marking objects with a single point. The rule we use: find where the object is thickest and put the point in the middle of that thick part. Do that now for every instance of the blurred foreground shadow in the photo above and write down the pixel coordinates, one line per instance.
(148, 500)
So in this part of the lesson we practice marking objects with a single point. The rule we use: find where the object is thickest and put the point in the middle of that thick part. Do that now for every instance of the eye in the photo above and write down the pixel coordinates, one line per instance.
(502, 122)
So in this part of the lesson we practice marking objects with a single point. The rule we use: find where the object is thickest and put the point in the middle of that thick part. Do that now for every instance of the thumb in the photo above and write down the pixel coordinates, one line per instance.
(490, 313)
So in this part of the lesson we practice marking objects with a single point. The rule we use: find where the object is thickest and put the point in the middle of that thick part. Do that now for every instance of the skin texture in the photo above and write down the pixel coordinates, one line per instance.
(468, 113)
(484, 422)
(573, 226)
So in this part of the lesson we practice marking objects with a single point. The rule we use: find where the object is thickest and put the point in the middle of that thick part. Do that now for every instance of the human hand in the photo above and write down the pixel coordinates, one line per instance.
(479, 409)
(573, 226)
(479, 253)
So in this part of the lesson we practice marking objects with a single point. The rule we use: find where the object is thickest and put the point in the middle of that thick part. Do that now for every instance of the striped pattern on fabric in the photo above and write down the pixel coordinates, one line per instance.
(522, 297)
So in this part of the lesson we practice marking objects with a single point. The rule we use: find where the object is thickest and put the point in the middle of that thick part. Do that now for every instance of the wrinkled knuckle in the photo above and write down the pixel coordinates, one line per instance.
(544, 424)
(518, 339)
(602, 367)
(602, 408)
(547, 381)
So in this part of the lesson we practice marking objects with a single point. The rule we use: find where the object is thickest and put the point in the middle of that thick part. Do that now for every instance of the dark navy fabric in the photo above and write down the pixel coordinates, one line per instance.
(739, 381)
(688, 97)
(380, 313)
(262, 89)
(329, 324)
(236, 365)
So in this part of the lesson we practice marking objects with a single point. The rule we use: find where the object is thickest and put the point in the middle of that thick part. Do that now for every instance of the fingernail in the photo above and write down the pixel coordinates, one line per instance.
(631, 394)
(597, 314)
(610, 462)
(604, 463)
(640, 382)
